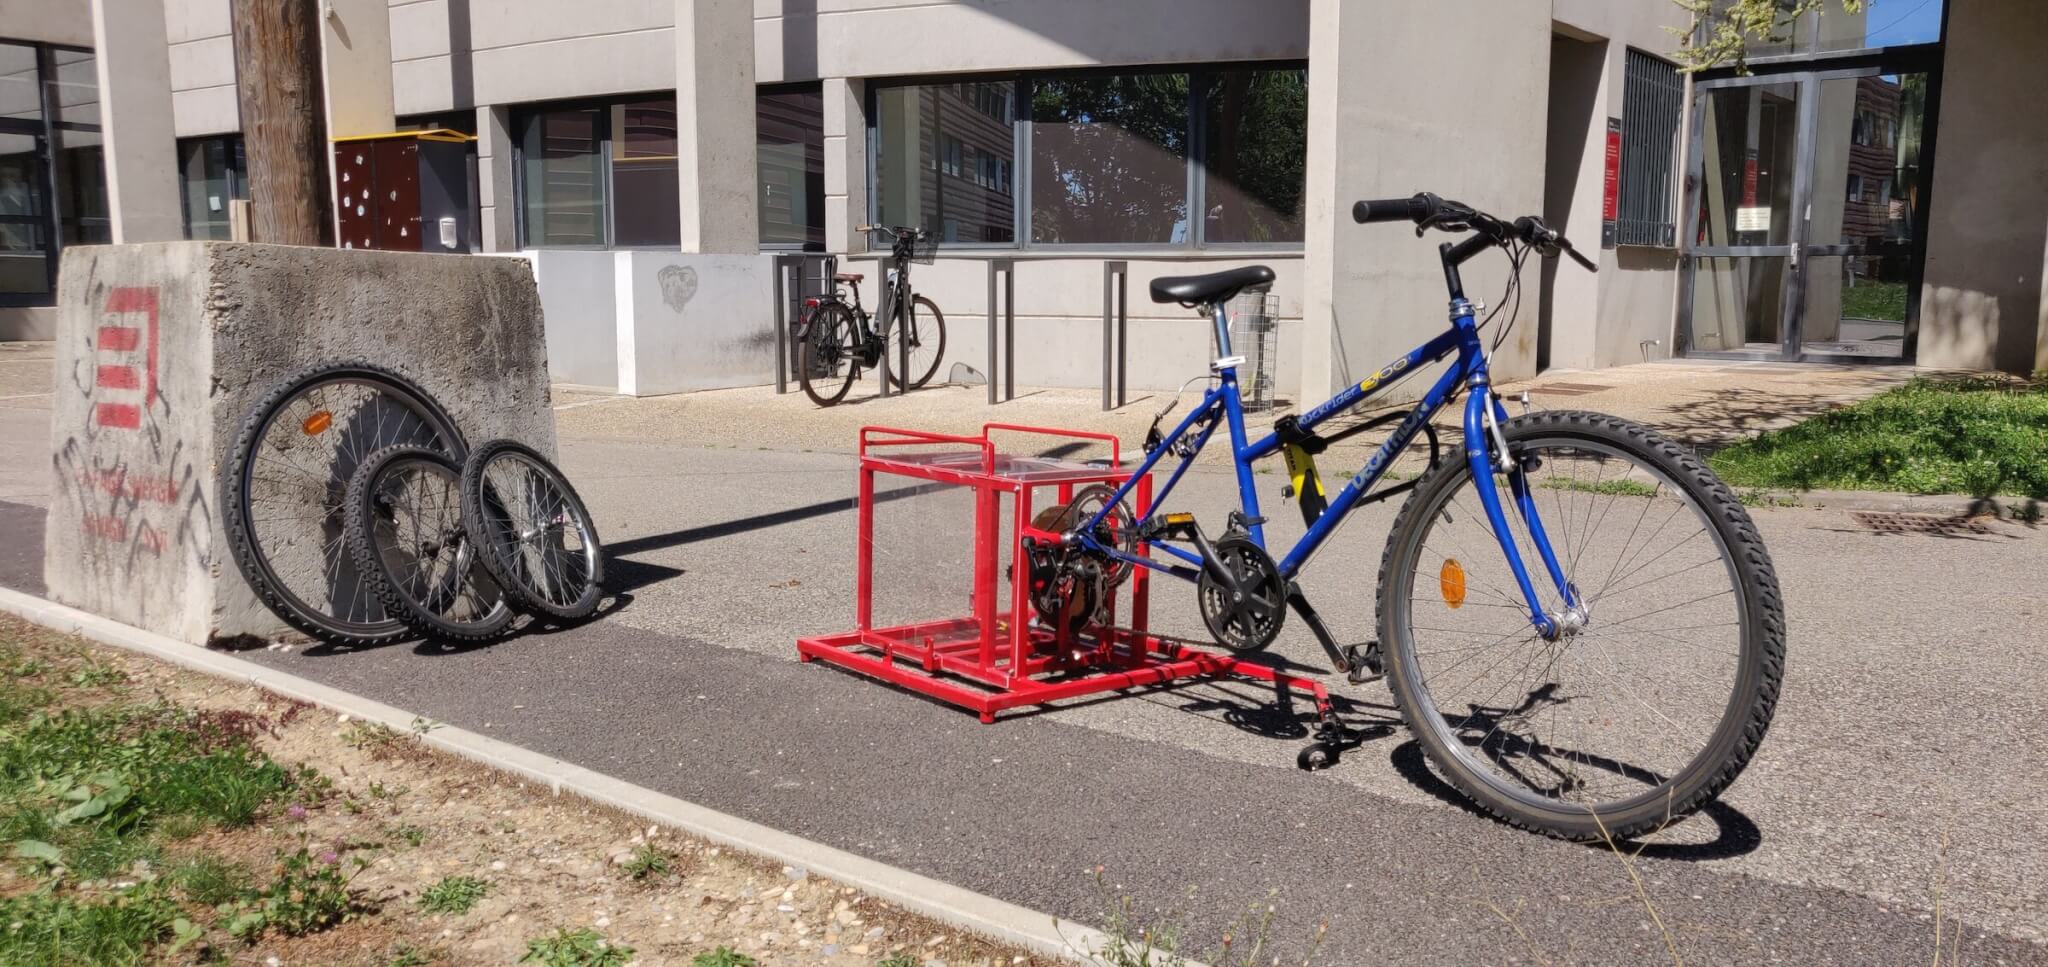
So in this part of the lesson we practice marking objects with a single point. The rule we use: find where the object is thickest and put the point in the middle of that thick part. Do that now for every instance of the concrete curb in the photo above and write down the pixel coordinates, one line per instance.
(1946, 505)
(1038, 932)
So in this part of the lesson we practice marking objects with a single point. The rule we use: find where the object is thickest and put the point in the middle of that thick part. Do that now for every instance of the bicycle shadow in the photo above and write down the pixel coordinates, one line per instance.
(1736, 834)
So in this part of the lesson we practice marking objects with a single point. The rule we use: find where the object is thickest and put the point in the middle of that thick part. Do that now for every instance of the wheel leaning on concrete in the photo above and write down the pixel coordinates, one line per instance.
(531, 531)
(404, 525)
(285, 484)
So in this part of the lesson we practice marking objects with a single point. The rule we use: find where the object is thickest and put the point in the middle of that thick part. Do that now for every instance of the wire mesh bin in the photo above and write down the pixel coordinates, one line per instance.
(1255, 335)
(923, 250)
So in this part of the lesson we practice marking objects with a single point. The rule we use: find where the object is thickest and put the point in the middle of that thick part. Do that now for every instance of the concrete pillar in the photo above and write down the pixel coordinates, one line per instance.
(1982, 302)
(846, 164)
(140, 145)
(355, 51)
(1387, 118)
(715, 126)
(497, 202)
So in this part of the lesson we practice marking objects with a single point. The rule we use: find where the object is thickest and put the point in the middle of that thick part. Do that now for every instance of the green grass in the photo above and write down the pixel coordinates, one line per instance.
(454, 895)
(1884, 301)
(309, 894)
(120, 928)
(1610, 488)
(1982, 437)
(649, 861)
(209, 880)
(581, 947)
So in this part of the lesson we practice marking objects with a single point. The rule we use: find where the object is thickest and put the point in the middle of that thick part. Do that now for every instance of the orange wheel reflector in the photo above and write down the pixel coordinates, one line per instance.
(1451, 580)
(317, 423)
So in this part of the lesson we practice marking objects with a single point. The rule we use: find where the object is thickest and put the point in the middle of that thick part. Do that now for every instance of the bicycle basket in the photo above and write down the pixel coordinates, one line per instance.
(922, 251)
(1255, 335)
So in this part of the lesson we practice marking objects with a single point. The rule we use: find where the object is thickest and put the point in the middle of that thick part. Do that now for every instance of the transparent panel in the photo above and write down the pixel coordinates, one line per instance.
(944, 160)
(1109, 160)
(82, 189)
(1881, 23)
(646, 195)
(1867, 162)
(21, 96)
(24, 243)
(1737, 304)
(564, 178)
(76, 87)
(203, 165)
(1750, 150)
(789, 140)
(1256, 155)
(1856, 305)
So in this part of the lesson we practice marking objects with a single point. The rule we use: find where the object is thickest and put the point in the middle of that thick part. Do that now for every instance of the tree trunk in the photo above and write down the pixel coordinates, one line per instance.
(277, 67)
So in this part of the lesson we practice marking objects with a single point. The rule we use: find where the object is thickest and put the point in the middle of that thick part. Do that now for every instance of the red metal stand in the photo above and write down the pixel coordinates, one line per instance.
(987, 661)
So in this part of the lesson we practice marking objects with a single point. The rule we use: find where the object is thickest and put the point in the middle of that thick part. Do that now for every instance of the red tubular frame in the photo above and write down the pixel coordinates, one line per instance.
(989, 662)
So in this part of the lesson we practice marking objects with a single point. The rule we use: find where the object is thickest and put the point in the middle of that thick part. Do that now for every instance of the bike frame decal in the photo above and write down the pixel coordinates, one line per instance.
(1223, 403)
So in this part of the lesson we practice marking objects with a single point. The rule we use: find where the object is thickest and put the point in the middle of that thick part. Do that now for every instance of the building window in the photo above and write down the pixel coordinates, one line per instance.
(1855, 187)
(1652, 99)
(789, 146)
(52, 174)
(918, 135)
(603, 174)
(212, 173)
(1118, 159)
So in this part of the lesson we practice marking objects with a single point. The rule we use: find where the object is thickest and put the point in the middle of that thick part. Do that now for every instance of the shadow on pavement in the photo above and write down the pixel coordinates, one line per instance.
(1738, 834)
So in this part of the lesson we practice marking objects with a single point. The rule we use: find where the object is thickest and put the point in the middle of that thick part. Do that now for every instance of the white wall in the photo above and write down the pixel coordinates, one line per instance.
(578, 300)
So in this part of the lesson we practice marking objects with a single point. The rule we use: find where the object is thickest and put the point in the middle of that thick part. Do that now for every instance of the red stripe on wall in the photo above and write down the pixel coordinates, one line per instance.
(119, 339)
(125, 416)
(119, 377)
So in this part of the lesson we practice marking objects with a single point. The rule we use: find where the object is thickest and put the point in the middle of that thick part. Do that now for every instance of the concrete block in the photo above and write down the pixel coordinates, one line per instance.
(163, 348)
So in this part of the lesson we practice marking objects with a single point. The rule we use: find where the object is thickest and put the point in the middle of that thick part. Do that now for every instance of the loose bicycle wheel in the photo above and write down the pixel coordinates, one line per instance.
(829, 358)
(404, 524)
(1659, 688)
(531, 531)
(285, 483)
(926, 331)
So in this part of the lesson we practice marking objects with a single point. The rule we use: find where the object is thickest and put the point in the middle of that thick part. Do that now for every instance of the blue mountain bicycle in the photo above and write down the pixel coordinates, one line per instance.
(1579, 621)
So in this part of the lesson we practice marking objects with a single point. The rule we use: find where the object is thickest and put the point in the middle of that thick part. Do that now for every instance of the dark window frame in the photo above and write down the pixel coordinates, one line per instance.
(48, 143)
(1197, 162)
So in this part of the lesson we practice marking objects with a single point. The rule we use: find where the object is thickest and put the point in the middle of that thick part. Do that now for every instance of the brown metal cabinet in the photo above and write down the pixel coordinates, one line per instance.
(408, 191)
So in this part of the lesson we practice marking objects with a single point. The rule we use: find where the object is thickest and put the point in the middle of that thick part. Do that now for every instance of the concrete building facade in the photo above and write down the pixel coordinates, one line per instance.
(1067, 134)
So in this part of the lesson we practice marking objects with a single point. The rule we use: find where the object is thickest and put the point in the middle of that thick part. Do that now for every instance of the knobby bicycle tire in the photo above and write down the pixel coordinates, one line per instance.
(238, 509)
(1753, 686)
(427, 614)
(561, 595)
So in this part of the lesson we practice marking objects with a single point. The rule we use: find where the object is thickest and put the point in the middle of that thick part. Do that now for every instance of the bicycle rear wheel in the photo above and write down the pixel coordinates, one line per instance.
(1661, 686)
(828, 360)
(926, 331)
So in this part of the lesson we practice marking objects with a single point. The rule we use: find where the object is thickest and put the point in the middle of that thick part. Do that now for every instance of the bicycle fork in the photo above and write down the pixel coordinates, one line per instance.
(1487, 452)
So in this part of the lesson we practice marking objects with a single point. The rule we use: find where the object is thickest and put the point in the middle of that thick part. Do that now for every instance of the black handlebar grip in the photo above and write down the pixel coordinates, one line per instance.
(1387, 210)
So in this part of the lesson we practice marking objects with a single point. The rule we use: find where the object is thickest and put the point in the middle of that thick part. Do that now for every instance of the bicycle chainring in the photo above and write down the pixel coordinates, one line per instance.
(1249, 618)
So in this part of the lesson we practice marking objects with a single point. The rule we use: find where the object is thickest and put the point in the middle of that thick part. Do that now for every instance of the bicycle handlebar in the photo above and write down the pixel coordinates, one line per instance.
(901, 231)
(1429, 211)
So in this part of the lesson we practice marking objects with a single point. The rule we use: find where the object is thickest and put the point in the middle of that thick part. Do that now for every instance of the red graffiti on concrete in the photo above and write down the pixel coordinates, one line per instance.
(125, 357)
(118, 483)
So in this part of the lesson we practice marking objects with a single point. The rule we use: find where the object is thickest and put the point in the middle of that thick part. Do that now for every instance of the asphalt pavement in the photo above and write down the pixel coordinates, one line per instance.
(1900, 787)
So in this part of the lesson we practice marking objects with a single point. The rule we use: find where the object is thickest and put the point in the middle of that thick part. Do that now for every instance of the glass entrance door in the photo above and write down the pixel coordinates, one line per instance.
(1808, 198)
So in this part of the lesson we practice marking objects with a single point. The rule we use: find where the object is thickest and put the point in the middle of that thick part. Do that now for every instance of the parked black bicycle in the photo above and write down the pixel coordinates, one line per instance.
(838, 338)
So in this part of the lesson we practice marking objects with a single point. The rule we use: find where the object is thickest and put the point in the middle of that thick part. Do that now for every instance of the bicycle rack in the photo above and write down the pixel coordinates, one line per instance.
(997, 658)
(1116, 308)
(796, 281)
(1007, 268)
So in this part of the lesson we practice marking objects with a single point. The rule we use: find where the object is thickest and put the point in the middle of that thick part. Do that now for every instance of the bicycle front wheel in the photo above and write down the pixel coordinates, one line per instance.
(828, 361)
(926, 332)
(1659, 686)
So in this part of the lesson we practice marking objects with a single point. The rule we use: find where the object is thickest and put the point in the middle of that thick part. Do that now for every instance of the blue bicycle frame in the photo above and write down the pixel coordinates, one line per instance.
(1222, 403)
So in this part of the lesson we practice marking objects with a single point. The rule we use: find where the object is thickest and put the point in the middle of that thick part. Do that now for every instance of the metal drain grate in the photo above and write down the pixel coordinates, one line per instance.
(1887, 523)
